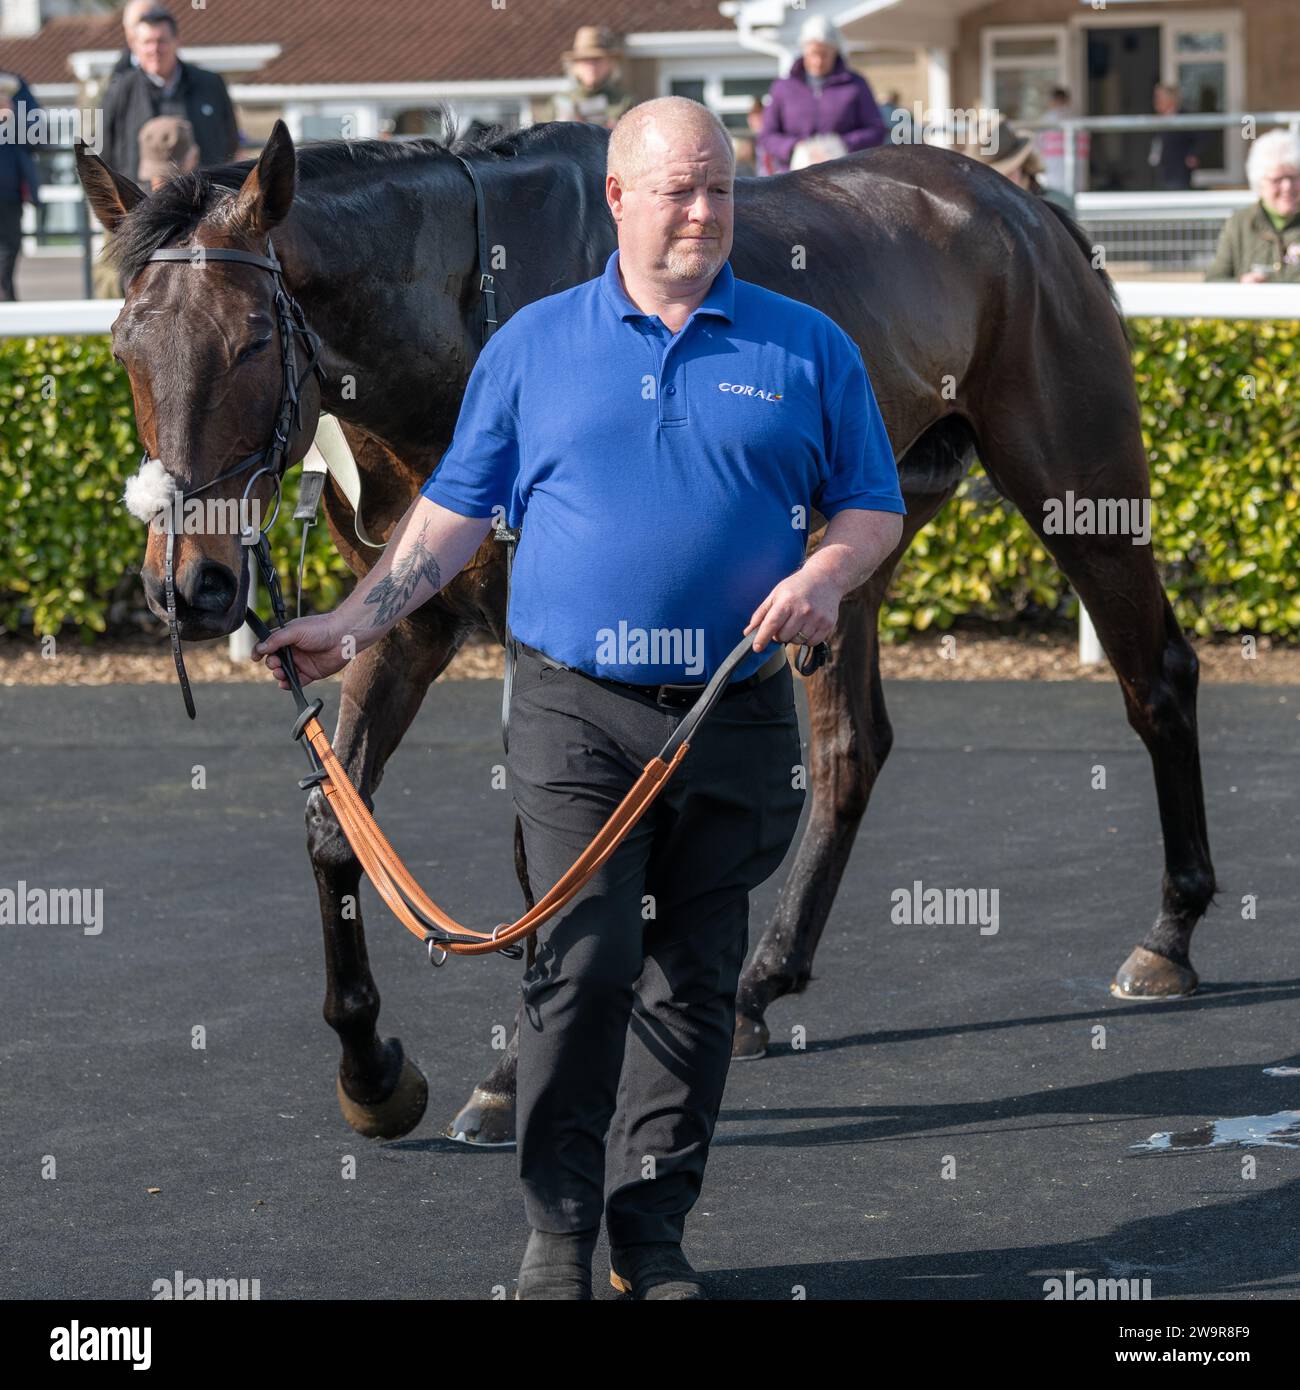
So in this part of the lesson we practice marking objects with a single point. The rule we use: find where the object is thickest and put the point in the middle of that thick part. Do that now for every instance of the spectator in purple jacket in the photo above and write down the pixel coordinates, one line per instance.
(821, 96)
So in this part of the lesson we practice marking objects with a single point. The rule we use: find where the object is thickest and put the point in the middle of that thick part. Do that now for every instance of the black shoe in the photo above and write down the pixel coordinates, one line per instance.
(657, 1270)
(557, 1265)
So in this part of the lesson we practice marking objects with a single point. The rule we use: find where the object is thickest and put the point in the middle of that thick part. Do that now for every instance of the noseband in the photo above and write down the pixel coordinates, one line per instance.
(291, 324)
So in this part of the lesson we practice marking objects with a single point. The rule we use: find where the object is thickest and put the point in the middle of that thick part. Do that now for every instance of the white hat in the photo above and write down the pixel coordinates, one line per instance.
(818, 29)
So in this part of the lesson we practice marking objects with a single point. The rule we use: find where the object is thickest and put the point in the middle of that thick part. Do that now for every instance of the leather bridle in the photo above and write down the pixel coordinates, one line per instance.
(416, 911)
(270, 459)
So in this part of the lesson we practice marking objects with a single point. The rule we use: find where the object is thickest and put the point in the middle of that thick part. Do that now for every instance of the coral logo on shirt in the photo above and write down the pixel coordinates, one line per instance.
(735, 389)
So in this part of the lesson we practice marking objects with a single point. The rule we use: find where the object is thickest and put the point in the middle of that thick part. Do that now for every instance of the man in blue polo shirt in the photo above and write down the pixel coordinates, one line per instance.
(660, 434)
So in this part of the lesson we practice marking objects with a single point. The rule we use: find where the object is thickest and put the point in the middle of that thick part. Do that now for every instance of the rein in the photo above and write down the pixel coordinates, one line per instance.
(416, 911)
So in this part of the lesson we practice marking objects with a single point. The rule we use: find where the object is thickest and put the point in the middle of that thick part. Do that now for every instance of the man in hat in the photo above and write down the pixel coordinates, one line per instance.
(597, 96)
(19, 181)
(1013, 155)
(167, 148)
(162, 85)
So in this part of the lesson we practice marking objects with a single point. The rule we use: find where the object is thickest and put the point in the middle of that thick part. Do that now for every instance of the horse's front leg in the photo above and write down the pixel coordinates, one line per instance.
(381, 1092)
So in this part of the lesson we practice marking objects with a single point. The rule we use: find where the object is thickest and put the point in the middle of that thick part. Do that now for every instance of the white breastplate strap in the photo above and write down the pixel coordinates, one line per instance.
(330, 453)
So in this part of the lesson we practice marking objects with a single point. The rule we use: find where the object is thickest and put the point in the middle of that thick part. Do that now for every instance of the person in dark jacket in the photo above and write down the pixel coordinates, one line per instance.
(19, 179)
(162, 85)
(1173, 153)
(823, 97)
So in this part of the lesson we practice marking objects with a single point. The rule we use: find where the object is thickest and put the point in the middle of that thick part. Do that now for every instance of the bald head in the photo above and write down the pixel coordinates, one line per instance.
(669, 184)
(654, 131)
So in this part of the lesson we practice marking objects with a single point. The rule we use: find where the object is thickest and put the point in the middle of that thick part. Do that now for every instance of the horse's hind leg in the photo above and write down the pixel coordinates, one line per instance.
(1101, 461)
(487, 1118)
(381, 1092)
(850, 739)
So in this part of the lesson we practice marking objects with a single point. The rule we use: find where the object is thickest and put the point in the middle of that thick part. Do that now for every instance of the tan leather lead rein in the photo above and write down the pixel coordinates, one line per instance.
(416, 911)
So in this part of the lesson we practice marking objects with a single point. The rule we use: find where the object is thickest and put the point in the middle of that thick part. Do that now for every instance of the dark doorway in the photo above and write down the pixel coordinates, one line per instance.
(1123, 69)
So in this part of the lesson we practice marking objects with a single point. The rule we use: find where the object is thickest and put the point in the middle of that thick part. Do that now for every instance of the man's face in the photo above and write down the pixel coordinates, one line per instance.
(1166, 102)
(591, 73)
(675, 221)
(818, 58)
(155, 46)
(1280, 187)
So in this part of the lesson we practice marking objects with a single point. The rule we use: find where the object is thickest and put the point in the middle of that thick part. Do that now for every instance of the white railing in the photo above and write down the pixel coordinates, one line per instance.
(1138, 299)
(56, 318)
(1148, 299)
(1207, 120)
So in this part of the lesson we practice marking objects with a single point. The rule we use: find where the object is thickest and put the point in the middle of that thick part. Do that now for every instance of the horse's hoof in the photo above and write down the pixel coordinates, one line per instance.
(485, 1120)
(394, 1117)
(1145, 975)
(749, 1041)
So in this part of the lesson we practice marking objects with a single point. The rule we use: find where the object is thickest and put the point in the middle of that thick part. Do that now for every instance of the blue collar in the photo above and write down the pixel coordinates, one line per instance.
(719, 302)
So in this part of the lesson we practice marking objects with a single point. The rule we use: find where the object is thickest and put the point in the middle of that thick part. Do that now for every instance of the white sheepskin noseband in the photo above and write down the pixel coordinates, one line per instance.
(150, 490)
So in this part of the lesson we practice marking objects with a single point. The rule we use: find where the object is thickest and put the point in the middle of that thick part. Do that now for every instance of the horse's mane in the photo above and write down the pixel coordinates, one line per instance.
(180, 205)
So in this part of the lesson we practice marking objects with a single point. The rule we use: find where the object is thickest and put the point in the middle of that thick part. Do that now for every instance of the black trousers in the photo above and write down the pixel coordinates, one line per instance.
(629, 1007)
(11, 244)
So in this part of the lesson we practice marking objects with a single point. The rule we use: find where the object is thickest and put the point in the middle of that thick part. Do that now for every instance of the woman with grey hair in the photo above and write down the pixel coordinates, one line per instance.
(1262, 242)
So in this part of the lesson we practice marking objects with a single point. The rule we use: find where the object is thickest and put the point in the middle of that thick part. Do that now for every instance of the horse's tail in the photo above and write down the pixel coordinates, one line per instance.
(1080, 239)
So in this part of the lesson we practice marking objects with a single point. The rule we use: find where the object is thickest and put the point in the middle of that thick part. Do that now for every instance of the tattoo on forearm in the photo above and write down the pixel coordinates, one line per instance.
(394, 591)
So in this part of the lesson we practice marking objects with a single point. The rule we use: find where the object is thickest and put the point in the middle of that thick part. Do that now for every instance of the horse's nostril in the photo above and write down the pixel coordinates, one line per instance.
(214, 588)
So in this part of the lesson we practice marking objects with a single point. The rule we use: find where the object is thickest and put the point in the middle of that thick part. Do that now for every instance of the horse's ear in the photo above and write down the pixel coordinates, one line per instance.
(110, 194)
(264, 198)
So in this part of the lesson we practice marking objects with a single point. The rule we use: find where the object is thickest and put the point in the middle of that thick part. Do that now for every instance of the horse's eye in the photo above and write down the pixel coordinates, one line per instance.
(250, 350)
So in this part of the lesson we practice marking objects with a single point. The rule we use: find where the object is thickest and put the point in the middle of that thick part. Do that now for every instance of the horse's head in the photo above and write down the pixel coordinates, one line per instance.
(203, 340)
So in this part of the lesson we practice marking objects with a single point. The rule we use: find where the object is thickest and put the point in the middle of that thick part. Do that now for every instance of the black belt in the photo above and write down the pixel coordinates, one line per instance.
(672, 696)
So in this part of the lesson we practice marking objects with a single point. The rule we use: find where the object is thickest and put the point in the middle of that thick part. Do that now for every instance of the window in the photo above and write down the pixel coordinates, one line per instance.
(1200, 58)
(1021, 65)
(747, 87)
(727, 86)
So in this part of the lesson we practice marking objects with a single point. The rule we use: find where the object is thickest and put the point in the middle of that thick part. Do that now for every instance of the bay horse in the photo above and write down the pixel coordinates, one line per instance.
(984, 327)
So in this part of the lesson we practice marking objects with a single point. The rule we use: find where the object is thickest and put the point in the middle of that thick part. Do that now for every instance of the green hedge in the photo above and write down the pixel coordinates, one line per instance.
(1218, 422)
(1225, 509)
